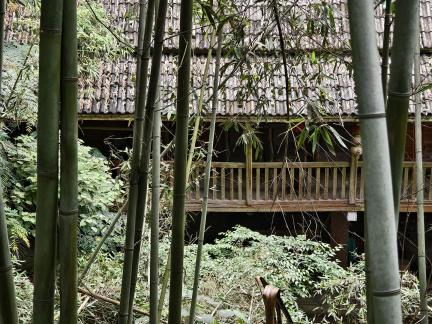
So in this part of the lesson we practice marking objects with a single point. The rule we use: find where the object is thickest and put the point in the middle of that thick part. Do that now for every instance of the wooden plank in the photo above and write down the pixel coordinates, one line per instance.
(266, 184)
(291, 173)
(249, 173)
(301, 183)
(197, 184)
(430, 184)
(335, 182)
(326, 183)
(318, 184)
(362, 179)
(404, 195)
(353, 179)
(257, 184)
(275, 183)
(414, 184)
(309, 183)
(232, 184)
(240, 184)
(223, 183)
(283, 183)
(343, 183)
(214, 184)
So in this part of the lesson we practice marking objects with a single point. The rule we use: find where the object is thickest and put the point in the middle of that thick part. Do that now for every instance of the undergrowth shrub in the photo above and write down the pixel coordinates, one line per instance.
(98, 191)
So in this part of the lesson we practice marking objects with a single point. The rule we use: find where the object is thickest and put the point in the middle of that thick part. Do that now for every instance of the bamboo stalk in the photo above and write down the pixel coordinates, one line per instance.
(381, 227)
(399, 90)
(154, 219)
(386, 46)
(68, 211)
(145, 25)
(146, 144)
(101, 243)
(47, 160)
(420, 187)
(8, 307)
(200, 106)
(164, 284)
(181, 135)
(204, 205)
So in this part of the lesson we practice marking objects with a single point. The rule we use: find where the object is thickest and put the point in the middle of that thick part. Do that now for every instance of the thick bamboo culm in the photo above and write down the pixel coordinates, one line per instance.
(181, 136)
(144, 166)
(47, 161)
(399, 89)
(8, 307)
(207, 180)
(380, 224)
(68, 211)
(420, 187)
(145, 27)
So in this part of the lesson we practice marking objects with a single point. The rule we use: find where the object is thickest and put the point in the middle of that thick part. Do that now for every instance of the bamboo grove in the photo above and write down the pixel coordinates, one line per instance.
(383, 107)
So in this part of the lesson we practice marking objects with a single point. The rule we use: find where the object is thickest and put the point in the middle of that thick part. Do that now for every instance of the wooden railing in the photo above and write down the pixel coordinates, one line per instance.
(259, 182)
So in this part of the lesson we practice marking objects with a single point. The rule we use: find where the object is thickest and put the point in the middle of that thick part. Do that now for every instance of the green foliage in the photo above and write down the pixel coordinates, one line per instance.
(98, 40)
(19, 82)
(315, 133)
(98, 192)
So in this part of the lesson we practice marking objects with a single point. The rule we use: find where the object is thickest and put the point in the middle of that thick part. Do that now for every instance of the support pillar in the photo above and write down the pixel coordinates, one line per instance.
(339, 227)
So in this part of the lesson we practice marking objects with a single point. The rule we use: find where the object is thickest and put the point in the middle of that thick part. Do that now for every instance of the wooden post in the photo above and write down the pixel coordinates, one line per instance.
(356, 151)
(249, 175)
(339, 227)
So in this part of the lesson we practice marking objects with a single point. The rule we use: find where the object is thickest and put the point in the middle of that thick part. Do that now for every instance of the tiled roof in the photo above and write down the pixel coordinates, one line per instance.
(333, 94)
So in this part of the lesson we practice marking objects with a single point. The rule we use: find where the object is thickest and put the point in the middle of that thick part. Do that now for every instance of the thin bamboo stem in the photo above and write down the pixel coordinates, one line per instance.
(145, 25)
(204, 205)
(386, 46)
(399, 90)
(47, 161)
(420, 188)
(146, 143)
(68, 211)
(164, 284)
(181, 135)
(154, 219)
(199, 108)
(8, 307)
(381, 227)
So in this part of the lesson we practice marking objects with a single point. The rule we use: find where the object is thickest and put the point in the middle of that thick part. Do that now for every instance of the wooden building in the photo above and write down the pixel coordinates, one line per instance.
(321, 92)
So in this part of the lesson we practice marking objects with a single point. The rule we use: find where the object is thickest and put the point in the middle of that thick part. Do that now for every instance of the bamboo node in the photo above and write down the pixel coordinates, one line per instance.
(387, 293)
(48, 173)
(70, 212)
(372, 115)
(5, 269)
(399, 94)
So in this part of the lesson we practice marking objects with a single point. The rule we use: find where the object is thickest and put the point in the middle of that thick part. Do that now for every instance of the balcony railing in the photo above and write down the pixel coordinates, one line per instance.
(305, 186)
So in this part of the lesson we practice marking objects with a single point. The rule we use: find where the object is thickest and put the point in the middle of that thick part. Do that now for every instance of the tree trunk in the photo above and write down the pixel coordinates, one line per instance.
(68, 212)
(181, 135)
(206, 179)
(381, 228)
(47, 161)
(146, 143)
(420, 188)
(399, 91)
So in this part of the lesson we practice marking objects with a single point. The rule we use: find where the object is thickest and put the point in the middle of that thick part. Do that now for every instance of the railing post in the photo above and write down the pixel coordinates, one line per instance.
(249, 175)
(356, 151)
